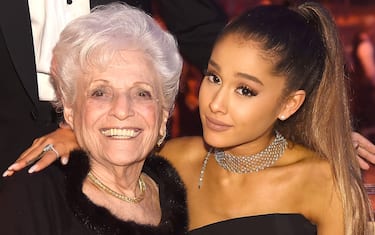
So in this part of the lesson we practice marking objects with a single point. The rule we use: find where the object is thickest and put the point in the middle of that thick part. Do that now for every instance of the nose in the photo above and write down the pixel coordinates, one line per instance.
(122, 107)
(219, 101)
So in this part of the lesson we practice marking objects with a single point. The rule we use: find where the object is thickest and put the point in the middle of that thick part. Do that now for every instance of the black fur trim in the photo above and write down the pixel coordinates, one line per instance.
(172, 194)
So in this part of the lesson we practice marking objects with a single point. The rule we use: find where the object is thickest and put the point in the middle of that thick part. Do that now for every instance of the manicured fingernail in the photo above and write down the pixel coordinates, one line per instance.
(11, 167)
(64, 160)
(6, 173)
(32, 169)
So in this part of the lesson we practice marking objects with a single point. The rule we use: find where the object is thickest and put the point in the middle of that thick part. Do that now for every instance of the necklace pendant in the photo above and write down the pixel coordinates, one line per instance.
(203, 168)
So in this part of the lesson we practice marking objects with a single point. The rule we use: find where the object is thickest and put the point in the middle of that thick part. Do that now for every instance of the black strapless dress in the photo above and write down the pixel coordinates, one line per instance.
(269, 224)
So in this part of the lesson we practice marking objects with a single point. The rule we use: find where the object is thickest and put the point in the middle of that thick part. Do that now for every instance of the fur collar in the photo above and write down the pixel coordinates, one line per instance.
(172, 200)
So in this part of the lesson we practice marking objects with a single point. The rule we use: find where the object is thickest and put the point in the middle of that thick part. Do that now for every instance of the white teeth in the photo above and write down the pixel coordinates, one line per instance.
(120, 133)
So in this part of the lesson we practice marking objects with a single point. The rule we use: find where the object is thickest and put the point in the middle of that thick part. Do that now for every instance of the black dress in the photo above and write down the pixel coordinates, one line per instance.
(52, 202)
(269, 224)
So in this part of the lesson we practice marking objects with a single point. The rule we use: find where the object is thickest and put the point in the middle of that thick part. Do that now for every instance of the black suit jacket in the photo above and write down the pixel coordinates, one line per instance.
(23, 117)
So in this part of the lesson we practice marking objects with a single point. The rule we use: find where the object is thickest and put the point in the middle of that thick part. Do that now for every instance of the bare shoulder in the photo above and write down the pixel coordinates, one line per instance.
(308, 174)
(318, 190)
(310, 165)
(183, 149)
(311, 172)
(186, 154)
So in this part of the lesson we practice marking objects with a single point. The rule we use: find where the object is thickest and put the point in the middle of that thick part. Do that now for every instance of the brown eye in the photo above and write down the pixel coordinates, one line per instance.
(101, 92)
(144, 94)
(246, 91)
(97, 93)
(212, 77)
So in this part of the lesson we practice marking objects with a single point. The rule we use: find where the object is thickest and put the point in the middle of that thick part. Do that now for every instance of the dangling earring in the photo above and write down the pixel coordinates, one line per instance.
(161, 140)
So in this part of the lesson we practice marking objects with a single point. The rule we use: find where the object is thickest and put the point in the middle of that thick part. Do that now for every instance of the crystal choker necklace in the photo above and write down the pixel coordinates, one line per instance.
(247, 164)
(100, 185)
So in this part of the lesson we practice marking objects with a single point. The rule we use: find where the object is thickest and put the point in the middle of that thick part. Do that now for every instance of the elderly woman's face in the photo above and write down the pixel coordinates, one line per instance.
(117, 115)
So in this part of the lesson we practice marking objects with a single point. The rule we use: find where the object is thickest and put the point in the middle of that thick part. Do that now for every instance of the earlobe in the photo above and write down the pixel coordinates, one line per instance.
(292, 104)
(163, 126)
(68, 116)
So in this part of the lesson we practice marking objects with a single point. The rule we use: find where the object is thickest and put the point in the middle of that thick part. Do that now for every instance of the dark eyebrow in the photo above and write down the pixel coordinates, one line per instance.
(249, 77)
(241, 75)
(214, 64)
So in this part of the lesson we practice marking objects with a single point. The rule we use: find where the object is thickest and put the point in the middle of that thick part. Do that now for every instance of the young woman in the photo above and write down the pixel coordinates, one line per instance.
(276, 155)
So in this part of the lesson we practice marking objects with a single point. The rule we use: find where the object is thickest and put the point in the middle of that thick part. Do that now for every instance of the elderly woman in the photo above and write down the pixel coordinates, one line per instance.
(116, 74)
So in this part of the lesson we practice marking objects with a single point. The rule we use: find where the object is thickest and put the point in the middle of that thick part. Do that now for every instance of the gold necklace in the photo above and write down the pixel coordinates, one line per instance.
(105, 188)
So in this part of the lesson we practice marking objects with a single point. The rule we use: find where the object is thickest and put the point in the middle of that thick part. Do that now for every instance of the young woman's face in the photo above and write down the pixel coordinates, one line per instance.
(239, 97)
(117, 115)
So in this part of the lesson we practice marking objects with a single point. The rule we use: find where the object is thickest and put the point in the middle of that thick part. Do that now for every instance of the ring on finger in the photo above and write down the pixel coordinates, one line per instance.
(48, 147)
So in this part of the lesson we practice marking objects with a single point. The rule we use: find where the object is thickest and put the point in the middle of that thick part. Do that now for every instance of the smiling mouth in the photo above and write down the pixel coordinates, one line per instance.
(118, 133)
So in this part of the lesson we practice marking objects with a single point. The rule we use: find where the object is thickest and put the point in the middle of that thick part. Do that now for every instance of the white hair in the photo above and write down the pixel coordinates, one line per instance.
(91, 41)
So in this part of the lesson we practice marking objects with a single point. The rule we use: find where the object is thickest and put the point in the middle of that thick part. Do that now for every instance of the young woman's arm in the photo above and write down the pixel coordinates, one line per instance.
(63, 141)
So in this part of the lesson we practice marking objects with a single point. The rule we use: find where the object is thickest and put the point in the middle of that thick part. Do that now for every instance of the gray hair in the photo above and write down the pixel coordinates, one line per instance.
(92, 40)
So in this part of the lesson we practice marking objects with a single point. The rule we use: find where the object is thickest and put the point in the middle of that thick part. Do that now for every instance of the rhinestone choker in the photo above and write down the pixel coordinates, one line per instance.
(247, 164)
(99, 184)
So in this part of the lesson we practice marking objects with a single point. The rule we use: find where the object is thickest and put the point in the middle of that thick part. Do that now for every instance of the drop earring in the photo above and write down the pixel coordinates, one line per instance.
(161, 140)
